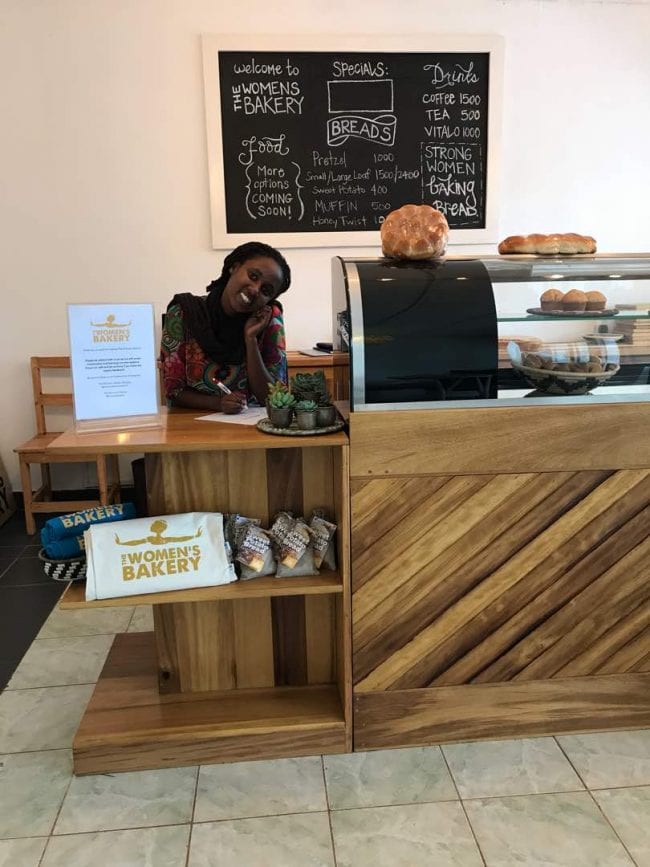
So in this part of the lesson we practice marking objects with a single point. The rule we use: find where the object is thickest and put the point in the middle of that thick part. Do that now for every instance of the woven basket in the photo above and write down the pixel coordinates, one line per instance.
(71, 569)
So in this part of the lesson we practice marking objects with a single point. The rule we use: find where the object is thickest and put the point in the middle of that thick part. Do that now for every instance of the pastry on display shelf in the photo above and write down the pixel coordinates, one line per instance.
(596, 301)
(567, 244)
(414, 232)
(575, 300)
(566, 368)
(576, 364)
(551, 299)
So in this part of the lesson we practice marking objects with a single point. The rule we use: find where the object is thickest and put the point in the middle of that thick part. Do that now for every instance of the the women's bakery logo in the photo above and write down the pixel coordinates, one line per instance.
(111, 331)
(156, 561)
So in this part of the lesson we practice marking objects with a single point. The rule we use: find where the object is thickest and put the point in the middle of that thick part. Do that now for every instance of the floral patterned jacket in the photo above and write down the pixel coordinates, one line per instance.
(185, 364)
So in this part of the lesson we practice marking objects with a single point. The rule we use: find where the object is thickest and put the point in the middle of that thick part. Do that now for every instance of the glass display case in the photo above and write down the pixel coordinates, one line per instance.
(493, 330)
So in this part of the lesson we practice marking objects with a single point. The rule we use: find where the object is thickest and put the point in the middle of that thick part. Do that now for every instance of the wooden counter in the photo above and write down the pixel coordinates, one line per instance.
(500, 577)
(500, 572)
(255, 669)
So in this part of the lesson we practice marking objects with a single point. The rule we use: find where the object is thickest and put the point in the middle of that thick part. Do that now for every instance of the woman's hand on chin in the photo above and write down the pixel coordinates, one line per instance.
(257, 322)
(233, 403)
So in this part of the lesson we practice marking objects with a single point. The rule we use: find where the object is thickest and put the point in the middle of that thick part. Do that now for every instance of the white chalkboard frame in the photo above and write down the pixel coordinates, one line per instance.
(213, 44)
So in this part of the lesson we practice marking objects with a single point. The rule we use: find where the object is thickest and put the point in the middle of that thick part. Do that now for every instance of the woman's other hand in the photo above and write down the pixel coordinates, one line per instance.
(257, 322)
(233, 403)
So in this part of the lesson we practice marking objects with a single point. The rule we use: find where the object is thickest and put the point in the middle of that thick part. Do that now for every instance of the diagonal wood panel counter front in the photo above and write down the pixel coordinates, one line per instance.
(500, 572)
(253, 669)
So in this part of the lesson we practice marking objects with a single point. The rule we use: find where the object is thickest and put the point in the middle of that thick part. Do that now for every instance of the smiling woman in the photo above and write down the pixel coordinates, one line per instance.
(232, 337)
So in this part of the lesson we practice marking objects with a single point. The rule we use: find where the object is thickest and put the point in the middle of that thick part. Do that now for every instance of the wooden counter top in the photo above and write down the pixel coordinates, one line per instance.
(181, 431)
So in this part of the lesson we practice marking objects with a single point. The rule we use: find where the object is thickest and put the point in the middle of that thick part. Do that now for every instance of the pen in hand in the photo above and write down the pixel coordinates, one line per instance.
(231, 403)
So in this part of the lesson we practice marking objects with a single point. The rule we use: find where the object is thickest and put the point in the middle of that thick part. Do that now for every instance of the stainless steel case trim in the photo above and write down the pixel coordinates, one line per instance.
(551, 400)
(357, 338)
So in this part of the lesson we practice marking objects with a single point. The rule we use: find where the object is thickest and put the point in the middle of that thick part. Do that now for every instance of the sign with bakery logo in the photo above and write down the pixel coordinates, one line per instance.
(152, 555)
(306, 139)
(113, 361)
(111, 331)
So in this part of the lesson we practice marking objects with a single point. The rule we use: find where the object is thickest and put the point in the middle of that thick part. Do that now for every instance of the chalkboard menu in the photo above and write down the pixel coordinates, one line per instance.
(315, 142)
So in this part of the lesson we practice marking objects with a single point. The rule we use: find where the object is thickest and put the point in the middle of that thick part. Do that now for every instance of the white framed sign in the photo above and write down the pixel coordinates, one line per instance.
(113, 363)
(313, 140)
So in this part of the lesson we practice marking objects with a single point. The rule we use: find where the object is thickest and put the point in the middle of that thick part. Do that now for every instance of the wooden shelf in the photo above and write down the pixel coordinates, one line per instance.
(129, 725)
(327, 582)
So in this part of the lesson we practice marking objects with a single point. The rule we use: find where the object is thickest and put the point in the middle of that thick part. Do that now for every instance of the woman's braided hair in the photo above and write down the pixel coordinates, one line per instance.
(247, 251)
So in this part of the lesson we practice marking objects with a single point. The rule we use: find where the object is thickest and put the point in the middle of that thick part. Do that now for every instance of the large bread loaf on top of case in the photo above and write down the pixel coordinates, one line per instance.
(414, 232)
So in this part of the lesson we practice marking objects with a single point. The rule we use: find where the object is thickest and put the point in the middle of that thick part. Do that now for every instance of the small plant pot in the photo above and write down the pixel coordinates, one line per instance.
(280, 416)
(326, 415)
(308, 395)
(307, 419)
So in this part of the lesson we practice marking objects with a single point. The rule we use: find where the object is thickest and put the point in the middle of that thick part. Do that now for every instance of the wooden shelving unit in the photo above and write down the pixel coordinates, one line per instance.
(248, 670)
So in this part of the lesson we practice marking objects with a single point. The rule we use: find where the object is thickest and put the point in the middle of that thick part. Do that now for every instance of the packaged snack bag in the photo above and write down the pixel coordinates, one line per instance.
(296, 552)
(254, 553)
(323, 535)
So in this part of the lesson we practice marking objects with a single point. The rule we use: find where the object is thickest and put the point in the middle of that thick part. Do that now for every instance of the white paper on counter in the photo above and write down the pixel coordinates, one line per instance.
(251, 415)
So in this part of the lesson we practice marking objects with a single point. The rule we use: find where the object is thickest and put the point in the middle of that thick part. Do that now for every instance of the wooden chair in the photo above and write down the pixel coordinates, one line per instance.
(36, 451)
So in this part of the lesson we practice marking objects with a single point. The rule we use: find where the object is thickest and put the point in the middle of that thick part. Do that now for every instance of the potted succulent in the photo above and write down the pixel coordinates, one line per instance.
(309, 386)
(277, 387)
(306, 414)
(326, 411)
(279, 405)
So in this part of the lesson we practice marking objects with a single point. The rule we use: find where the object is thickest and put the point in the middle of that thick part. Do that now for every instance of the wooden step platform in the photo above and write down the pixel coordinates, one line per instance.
(128, 725)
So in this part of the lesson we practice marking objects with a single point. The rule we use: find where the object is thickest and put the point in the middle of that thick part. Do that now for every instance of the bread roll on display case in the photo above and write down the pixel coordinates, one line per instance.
(548, 245)
(414, 232)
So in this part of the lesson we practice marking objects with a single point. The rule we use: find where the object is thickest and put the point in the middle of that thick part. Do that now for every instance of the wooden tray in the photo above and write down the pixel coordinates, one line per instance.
(265, 426)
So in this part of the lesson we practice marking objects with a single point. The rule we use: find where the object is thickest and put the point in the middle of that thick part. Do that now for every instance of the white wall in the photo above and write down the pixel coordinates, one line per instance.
(103, 181)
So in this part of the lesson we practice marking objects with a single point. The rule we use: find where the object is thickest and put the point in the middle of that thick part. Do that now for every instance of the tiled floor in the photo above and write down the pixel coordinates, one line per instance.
(579, 801)
(27, 595)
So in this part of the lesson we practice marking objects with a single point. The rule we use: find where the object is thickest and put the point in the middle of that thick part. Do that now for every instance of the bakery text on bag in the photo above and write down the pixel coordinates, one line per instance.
(87, 516)
(156, 561)
(156, 554)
